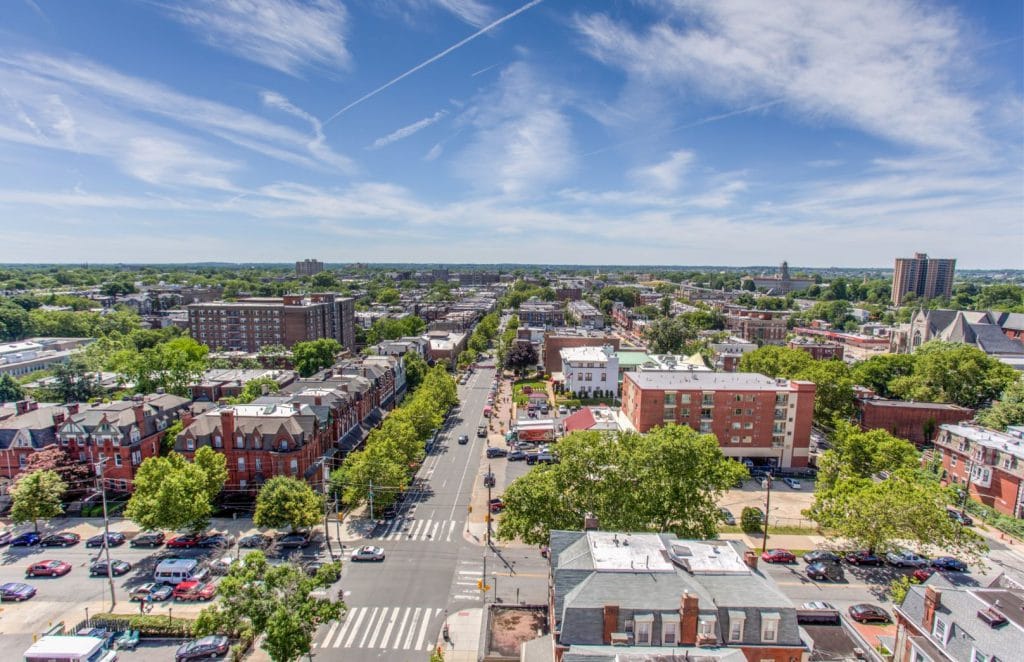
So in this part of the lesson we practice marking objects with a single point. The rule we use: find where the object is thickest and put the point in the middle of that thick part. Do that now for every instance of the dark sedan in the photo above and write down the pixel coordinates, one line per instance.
(494, 451)
(255, 541)
(949, 563)
(825, 570)
(516, 456)
(16, 591)
(293, 541)
(60, 540)
(866, 613)
(821, 556)
(117, 568)
(26, 540)
(198, 649)
(864, 558)
(114, 539)
(148, 539)
(216, 540)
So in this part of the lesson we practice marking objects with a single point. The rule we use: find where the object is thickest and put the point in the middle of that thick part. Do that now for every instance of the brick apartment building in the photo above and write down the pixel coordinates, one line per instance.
(765, 420)
(535, 312)
(925, 277)
(308, 267)
(648, 596)
(917, 422)
(764, 327)
(126, 432)
(556, 341)
(586, 314)
(819, 351)
(249, 324)
(988, 463)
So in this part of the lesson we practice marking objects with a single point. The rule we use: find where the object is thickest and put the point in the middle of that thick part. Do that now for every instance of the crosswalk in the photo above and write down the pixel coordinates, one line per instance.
(410, 528)
(384, 628)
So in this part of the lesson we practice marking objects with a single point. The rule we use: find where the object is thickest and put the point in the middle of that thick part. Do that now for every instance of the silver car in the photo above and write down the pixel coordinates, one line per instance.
(368, 553)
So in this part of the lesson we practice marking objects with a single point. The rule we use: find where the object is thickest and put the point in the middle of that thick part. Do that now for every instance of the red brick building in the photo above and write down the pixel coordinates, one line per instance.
(989, 464)
(756, 417)
(917, 422)
(126, 432)
(764, 327)
(819, 351)
(556, 341)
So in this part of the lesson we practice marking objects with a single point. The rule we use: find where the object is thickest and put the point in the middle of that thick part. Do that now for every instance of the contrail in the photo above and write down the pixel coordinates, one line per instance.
(700, 122)
(483, 30)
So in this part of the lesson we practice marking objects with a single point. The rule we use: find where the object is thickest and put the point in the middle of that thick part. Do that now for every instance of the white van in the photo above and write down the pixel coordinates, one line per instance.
(70, 649)
(175, 571)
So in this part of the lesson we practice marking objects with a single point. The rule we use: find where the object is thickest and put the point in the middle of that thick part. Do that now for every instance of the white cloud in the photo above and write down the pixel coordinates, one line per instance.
(666, 175)
(434, 152)
(523, 139)
(886, 67)
(471, 11)
(281, 34)
(408, 130)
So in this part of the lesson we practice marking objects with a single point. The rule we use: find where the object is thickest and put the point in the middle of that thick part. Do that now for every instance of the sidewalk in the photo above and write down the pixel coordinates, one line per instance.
(755, 542)
(464, 631)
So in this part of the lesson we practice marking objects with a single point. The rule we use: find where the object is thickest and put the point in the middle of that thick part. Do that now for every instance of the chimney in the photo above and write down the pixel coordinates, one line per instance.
(296, 406)
(21, 407)
(186, 419)
(932, 600)
(590, 522)
(227, 425)
(750, 558)
(58, 418)
(33, 405)
(140, 414)
(611, 622)
(689, 610)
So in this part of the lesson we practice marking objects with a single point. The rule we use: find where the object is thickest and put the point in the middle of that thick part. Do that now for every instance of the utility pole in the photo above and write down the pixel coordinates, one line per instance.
(483, 578)
(767, 509)
(106, 530)
(371, 500)
(327, 530)
(489, 483)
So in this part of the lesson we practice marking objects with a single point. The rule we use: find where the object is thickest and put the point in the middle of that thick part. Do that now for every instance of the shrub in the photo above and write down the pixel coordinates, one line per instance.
(750, 520)
(147, 624)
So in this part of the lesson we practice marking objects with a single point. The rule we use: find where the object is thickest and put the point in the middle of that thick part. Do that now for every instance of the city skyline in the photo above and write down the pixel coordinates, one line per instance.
(472, 132)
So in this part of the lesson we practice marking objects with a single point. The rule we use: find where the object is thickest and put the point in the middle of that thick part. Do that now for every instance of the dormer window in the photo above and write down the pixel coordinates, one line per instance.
(190, 444)
(218, 442)
(239, 441)
(770, 627)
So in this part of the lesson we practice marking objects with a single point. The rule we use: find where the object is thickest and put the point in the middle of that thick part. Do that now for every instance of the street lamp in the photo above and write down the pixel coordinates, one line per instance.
(767, 510)
(106, 529)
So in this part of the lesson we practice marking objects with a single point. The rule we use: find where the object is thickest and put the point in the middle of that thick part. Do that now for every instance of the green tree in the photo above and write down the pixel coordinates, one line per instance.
(254, 389)
(466, 359)
(77, 476)
(390, 328)
(669, 335)
(174, 365)
(173, 493)
(1009, 410)
(14, 321)
(377, 466)
(666, 480)
(276, 602)
(283, 500)
(854, 453)
(314, 355)
(10, 390)
(833, 397)
(74, 383)
(415, 370)
(171, 433)
(877, 371)
(954, 372)
(774, 361)
(36, 496)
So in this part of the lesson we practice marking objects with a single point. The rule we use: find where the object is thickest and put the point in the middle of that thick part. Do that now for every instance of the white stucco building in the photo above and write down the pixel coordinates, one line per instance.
(590, 371)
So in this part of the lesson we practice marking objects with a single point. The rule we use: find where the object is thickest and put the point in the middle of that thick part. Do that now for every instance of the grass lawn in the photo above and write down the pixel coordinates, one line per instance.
(517, 389)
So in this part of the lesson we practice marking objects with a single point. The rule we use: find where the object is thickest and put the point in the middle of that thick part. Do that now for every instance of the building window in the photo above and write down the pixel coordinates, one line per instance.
(705, 427)
(736, 621)
(735, 440)
(241, 464)
(258, 464)
(978, 656)
(644, 625)
(686, 412)
(136, 458)
(748, 426)
(736, 426)
(218, 442)
(190, 444)
(669, 630)
(117, 460)
(239, 441)
(257, 441)
(295, 467)
(22, 461)
(706, 626)
(685, 398)
(770, 627)
(64, 442)
(737, 412)
(242, 483)
(952, 460)
(939, 630)
(706, 413)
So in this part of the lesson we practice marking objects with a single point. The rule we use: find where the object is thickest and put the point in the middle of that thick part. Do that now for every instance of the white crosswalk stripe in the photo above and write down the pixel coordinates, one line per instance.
(409, 528)
(385, 628)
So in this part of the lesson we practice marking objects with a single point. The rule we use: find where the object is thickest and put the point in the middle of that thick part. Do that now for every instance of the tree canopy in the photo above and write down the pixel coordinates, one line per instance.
(286, 501)
(314, 355)
(10, 390)
(665, 480)
(173, 493)
(953, 372)
(37, 495)
(833, 397)
(77, 476)
(390, 328)
(1009, 410)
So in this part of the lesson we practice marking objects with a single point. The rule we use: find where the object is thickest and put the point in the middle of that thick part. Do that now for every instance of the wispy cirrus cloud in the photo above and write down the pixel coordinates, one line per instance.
(408, 130)
(887, 68)
(473, 12)
(281, 34)
(666, 175)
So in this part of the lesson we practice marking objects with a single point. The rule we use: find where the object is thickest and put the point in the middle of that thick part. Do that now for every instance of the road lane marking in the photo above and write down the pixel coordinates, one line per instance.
(391, 626)
(465, 597)
(423, 630)
(330, 633)
(348, 624)
(355, 628)
(369, 623)
(401, 628)
(376, 630)
(433, 534)
(412, 629)
(451, 529)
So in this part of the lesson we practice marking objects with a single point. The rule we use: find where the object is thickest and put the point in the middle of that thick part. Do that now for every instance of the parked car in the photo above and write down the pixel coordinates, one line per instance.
(26, 540)
(524, 445)
(822, 556)
(60, 540)
(778, 556)
(863, 557)
(464, 439)
(293, 540)
(960, 517)
(922, 574)
(148, 539)
(114, 539)
(198, 649)
(16, 592)
(793, 483)
(562, 410)
(489, 480)
(368, 553)
(6, 537)
(117, 568)
(186, 541)
(216, 540)
(49, 568)
(193, 590)
(865, 613)
(496, 505)
(906, 559)
(481, 431)
(949, 563)
(255, 541)
(547, 458)
(151, 591)
(516, 456)
(726, 516)
(223, 565)
(494, 451)
(825, 570)
(531, 458)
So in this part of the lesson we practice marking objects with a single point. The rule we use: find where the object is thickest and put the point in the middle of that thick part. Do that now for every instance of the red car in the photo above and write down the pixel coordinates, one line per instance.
(185, 541)
(193, 590)
(48, 569)
(922, 574)
(778, 556)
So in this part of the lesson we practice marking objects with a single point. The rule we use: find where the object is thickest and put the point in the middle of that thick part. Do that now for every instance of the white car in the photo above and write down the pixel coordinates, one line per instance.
(906, 559)
(818, 605)
(793, 483)
(368, 553)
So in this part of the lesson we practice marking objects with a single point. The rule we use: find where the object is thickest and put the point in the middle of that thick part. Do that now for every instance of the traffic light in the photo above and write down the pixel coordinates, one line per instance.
(480, 584)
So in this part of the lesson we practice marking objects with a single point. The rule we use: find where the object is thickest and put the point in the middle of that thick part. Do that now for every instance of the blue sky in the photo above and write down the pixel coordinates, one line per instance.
(591, 132)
